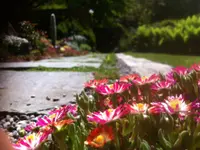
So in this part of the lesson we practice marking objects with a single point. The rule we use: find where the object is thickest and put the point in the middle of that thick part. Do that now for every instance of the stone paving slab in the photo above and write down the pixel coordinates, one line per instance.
(26, 92)
(13, 65)
(143, 67)
(89, 60)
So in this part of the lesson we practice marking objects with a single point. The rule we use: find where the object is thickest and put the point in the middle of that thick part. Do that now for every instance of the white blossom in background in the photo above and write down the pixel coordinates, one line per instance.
(91, 11)
(14, 40)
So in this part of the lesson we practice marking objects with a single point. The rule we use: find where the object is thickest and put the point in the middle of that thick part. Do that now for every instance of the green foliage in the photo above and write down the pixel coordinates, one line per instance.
(85, 47)
(106, 12)
(148, 11)
(173, 36)
(75, 27)
(53, 6)
(139, 11)
(28, 31)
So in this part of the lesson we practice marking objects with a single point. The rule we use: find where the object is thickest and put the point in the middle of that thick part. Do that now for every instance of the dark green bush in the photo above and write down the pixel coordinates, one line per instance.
(85, 47)
(172, 36)
(70, 28)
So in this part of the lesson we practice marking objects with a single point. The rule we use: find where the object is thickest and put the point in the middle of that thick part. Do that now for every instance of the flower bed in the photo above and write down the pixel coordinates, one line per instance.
(133, 112)
(33, 44)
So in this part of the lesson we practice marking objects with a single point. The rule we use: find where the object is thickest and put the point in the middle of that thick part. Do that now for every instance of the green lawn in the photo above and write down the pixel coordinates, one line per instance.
(173, 60)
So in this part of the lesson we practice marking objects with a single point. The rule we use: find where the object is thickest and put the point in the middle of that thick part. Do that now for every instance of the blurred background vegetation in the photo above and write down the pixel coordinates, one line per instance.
(161, 26)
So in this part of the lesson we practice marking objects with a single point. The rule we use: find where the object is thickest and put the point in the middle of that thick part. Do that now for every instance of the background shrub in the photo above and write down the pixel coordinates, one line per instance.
(170, 36)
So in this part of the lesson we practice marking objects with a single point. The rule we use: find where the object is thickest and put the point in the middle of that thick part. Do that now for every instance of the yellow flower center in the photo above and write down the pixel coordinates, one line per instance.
(140, 106)
(144, 78)
(99, 139)
(110, 86)
(110, 110)
(52, 116)
(30, 137)
(174, 103)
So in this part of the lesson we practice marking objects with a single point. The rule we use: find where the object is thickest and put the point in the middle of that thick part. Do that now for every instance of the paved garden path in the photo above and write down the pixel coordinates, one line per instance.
(91, 60)
(29, 92)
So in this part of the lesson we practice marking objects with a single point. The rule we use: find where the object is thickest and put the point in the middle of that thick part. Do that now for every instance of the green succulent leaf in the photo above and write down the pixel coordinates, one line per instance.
(163, 141)
(144, 145)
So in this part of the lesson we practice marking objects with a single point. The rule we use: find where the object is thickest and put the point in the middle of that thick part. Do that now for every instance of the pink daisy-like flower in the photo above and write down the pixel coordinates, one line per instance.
(195, 67)
(48, 120)
(175, 104)
(70, 108)
(107, 102)
(95, 83)
(161, 85)
(156, 108)
(62, 123)
(195, 106)
(31, 142)
(108, 115)
(99, 136)
(129, 77)
(137, 108)
(170, 77)
(31, 126)
(195, 109)
(146, 80)
(172, 105)
(180, 70)
(117, 87)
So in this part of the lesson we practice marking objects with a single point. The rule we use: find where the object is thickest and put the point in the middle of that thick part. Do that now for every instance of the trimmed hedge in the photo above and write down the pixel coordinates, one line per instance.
(170, 36)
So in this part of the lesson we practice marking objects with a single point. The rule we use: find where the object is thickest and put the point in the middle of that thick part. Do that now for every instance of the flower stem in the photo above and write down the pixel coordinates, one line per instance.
(117, 144)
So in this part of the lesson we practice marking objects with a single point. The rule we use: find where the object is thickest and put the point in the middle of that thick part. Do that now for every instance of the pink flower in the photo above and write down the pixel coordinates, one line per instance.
(95, 83)
(62, 123)
(175, 104)
(172, 105)
(195, 67)
(99, 136)
(107, 102)
(70, 108)
(156, 108)
(108, 115)
(195, 106)
(129, 77)
(117, 87)
(49, 120)
(180, 70)
(31, 142)
(137, 108)
(195, 109)
(170, 77)
(161, 85)
(146, 80)
(31, 126)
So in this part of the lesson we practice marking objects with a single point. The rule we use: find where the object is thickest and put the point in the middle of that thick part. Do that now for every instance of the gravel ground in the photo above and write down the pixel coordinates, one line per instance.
(14, 123)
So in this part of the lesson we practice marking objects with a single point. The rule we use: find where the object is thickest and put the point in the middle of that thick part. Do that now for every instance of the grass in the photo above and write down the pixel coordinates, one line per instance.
(73, 69)
(173, 60)
(53, 6)
(106, 70)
